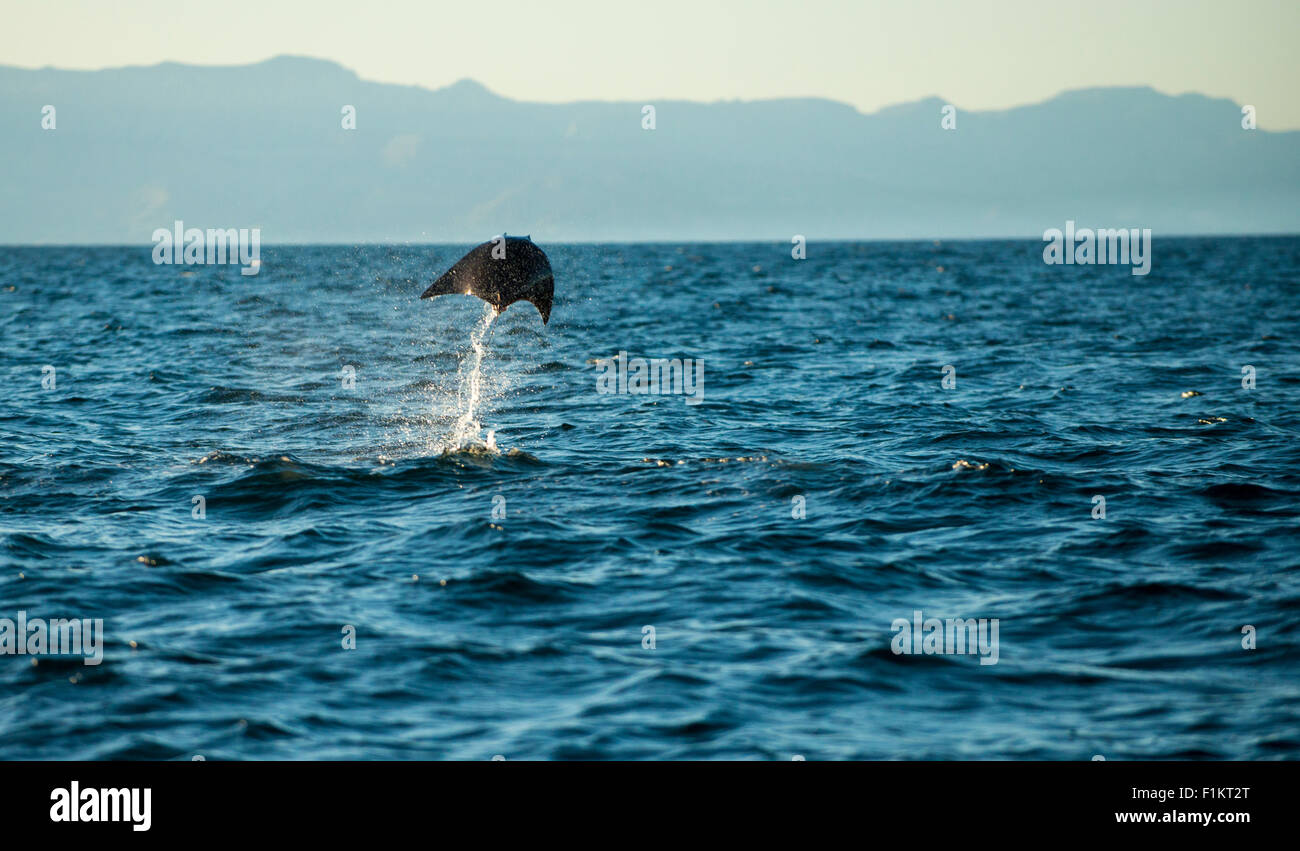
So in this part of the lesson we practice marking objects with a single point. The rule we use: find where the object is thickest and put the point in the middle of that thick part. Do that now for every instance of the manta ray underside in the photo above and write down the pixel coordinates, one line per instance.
(501, 272)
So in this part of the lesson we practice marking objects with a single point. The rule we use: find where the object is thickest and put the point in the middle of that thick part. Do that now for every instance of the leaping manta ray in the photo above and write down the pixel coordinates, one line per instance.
(502, 271)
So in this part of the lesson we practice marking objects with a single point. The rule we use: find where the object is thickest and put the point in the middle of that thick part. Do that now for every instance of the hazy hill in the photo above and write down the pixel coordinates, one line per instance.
(262, 146)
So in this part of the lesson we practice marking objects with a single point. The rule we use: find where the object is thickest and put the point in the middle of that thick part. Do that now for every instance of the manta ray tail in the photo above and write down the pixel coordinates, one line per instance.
(501, 272)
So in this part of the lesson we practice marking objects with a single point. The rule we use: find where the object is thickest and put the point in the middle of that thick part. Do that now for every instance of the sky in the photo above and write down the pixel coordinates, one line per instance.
(976, 54)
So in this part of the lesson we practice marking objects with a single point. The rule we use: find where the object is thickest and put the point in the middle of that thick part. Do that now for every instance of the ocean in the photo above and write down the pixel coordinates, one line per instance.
(321, 518)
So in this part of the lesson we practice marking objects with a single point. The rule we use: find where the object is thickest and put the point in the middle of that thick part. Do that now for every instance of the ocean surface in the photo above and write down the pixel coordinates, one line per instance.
(498, 534)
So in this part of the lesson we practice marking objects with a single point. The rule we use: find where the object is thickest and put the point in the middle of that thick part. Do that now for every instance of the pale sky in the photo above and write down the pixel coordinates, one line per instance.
(976, 54)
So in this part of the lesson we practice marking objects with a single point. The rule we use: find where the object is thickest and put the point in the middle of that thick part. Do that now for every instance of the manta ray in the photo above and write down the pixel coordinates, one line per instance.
(502, 271)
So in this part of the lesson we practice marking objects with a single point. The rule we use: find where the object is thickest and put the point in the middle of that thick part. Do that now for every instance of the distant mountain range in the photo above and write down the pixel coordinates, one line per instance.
(263, 146)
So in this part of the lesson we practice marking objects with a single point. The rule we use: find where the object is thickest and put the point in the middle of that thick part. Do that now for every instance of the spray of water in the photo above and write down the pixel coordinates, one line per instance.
(465, 434)
(441, 416)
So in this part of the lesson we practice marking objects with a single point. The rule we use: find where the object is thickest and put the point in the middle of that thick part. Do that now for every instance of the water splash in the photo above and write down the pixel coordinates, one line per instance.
(465, 435)
(441, 414)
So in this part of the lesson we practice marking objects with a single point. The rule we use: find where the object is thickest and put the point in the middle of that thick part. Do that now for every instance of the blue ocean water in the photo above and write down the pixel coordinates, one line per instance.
(523, 633)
